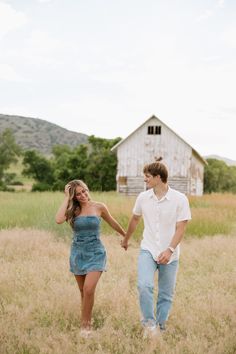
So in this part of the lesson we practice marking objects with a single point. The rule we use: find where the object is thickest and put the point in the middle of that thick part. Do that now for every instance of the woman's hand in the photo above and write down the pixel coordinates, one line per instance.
(61, 213)
(67, 190)
(124, 243)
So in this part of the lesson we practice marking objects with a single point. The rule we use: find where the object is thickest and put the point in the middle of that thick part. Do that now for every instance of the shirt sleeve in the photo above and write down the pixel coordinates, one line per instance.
(183, 212)
(137, 209)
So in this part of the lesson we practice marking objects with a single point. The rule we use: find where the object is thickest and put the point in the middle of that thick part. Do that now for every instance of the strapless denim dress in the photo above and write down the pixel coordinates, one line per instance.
(87, 251)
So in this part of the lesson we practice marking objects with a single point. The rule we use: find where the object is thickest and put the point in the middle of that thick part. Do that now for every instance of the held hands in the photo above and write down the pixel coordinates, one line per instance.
(124, 243)
(164, 256)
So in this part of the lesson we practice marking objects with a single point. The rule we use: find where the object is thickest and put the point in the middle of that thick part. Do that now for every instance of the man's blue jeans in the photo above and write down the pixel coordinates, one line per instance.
(166, 285)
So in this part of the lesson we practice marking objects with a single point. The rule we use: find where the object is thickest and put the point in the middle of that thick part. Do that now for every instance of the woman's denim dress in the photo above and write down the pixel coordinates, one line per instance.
(87, 251)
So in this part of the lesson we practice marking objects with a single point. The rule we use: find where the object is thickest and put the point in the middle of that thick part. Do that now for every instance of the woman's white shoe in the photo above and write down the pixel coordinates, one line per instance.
(85, 333)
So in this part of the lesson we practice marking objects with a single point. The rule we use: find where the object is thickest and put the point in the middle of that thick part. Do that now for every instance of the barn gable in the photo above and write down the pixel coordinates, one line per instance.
(154, 139)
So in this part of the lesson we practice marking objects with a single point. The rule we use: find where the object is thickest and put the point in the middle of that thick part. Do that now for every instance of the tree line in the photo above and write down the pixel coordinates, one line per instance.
(219, 177)
(93, 162)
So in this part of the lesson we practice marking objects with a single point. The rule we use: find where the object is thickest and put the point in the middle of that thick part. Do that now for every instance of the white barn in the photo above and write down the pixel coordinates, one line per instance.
(154, 139)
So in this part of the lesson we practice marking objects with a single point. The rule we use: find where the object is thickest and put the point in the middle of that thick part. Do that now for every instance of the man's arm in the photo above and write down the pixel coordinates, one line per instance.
(131, 228)
(164, 256)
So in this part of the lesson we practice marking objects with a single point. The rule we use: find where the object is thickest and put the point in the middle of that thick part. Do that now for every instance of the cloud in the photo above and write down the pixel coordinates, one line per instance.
(10, 19)
(209, 13)
(210, 59)
(205, 15)
(228, 112)
(44, 1)
(18, 110)
(40, 41)
(42, 49)
(8, 73)
(229, 36)
(221, 3)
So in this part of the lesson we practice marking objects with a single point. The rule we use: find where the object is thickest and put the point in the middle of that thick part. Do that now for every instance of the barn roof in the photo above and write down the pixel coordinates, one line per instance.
(123, 140)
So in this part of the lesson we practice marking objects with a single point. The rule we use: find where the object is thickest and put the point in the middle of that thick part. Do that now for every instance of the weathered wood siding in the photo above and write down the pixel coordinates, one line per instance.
(185, 168)
(133, 186)
(181, 184)
(197, 176)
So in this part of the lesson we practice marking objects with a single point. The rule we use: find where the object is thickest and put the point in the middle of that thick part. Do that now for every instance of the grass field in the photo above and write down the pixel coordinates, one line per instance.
(40, 302)
(211, 214)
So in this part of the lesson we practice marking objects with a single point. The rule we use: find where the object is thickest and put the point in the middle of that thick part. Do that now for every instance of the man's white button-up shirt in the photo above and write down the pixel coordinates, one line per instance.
(160, 218)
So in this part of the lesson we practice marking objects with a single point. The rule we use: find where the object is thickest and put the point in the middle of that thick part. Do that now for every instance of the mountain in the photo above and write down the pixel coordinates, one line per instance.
(225, 159)
(38, 134)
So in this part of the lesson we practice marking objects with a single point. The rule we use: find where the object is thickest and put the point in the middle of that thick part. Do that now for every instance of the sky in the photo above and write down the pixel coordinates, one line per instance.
(103, 67)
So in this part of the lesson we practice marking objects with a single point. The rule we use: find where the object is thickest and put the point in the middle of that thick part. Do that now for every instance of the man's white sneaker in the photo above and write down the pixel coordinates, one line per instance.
(162, 327)
(150, 332)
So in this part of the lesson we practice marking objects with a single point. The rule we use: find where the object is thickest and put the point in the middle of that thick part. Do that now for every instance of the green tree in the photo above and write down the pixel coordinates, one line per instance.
(218, 177)
(94, 163)
(40, 168)
(101, 170)
(9, 153)
(70, 164)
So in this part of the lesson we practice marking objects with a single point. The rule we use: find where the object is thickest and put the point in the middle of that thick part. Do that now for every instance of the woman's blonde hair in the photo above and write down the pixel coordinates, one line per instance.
(74, 207)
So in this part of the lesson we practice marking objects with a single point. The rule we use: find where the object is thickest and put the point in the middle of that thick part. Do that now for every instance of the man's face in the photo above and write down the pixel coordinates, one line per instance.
(151, 181)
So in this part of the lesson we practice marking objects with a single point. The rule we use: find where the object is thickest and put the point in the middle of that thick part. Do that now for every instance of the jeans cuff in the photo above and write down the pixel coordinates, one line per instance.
(148, 322)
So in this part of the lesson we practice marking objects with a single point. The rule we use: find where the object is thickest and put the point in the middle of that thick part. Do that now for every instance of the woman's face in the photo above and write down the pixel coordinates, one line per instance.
(81, 194)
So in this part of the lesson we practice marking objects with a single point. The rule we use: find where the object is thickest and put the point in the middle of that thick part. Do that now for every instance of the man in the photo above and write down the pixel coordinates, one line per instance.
(165, 212)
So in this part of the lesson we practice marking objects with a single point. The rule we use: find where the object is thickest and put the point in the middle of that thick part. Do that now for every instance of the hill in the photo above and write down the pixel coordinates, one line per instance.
(38, 134)
(228, 162)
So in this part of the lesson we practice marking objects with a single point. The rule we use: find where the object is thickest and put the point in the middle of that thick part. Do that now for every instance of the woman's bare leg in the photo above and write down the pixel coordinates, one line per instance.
(89, 287)
(80, 281)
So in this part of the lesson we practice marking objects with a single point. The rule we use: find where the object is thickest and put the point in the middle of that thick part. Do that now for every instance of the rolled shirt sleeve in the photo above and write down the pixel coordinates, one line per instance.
(137, 209)
(183, 211)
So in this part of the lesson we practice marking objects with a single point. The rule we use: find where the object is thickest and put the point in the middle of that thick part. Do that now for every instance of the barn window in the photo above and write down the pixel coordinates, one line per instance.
(122, 180)
(150, 129)
(154, 130)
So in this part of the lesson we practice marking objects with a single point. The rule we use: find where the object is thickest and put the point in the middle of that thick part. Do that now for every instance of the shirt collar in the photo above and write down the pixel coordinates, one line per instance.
(166, 196)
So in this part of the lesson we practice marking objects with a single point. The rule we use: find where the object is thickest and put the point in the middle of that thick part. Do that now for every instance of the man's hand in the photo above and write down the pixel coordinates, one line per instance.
(124, 243)
(164, 256)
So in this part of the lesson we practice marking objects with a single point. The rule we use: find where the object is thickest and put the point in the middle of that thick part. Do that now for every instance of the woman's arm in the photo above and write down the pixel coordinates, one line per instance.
(61, 213)
(105, 214)
(131, 228)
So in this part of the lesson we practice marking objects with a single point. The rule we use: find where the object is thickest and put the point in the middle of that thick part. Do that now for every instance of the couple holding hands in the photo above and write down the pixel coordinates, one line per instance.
(165, 212)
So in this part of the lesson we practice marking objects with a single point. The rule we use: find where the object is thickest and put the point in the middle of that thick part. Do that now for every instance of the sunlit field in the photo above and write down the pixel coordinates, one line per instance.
(40, 302)
(211, 214)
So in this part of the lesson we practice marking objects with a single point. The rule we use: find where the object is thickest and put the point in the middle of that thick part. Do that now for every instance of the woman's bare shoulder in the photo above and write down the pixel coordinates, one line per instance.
(99, 205)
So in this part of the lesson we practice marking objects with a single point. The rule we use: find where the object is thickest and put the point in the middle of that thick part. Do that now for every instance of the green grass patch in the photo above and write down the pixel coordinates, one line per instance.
(211, 214)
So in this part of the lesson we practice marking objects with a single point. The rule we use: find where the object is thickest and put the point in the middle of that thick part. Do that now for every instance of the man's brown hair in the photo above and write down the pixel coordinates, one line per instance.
(157, 169)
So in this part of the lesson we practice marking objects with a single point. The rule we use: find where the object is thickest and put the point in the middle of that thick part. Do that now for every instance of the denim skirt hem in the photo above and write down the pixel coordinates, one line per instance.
(82, 262)
(88, 271)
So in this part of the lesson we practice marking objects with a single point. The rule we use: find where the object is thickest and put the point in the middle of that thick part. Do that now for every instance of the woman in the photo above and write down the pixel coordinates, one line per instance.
(88, 255)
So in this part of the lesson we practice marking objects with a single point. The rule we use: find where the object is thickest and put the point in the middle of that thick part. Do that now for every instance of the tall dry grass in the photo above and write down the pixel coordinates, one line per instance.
(40, 302)
(212, 214)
